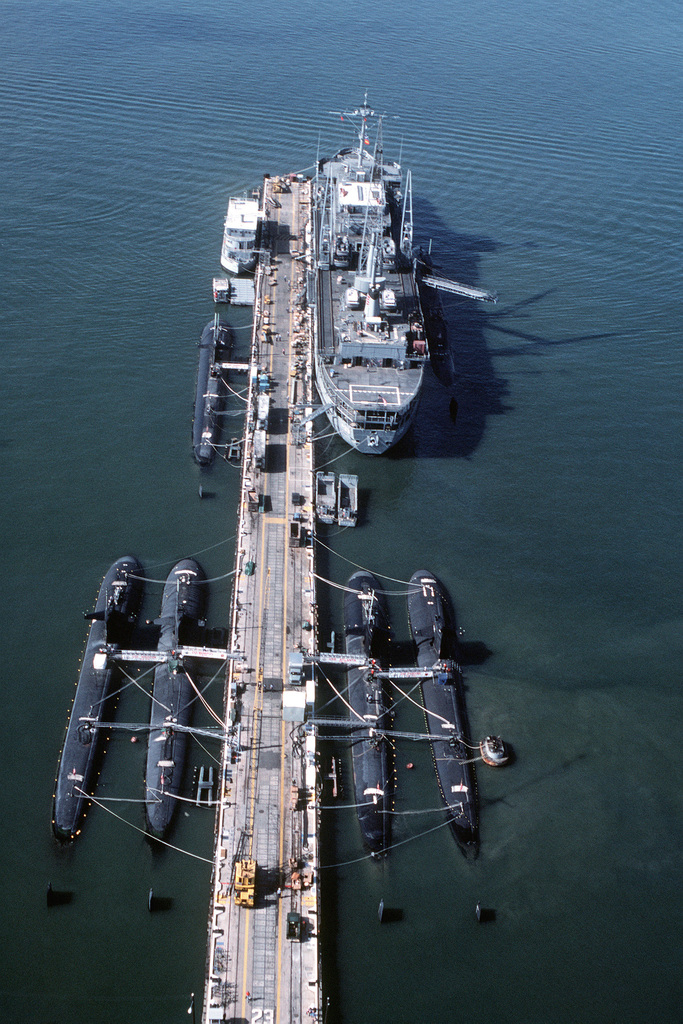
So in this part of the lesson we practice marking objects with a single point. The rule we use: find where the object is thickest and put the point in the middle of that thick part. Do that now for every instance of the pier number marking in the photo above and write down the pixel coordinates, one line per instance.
(262, 1016)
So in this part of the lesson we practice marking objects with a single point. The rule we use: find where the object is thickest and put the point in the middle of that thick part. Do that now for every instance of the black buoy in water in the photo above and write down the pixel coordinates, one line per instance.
(57, 897)
(484, 914)
(453, 409)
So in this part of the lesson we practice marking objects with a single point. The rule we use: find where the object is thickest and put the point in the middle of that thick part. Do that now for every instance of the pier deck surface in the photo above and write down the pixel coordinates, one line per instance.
(268, 809)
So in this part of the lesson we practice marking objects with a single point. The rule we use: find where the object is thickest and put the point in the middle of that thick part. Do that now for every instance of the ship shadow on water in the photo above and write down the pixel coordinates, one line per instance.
(461, 387)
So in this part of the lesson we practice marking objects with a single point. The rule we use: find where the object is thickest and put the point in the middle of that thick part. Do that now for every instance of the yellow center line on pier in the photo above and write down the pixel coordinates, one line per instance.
(284, 668)
(254, 752)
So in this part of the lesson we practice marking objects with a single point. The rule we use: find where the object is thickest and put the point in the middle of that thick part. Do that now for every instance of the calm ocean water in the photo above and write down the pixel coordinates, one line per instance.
(546, 149)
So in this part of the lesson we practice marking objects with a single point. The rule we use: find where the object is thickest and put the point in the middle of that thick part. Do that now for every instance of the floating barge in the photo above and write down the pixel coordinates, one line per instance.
(325, 497)
(347, 499)
(336, 498)
(236, 291)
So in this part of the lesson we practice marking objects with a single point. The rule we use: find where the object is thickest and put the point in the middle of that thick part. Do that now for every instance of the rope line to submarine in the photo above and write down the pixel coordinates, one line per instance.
(206, 860)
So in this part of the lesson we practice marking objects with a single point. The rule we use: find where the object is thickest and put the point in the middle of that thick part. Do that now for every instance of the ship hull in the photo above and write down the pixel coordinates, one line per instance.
(81, 753)
(238, 266)
(431, 626)
(368, 442)
(182, 609)
(372, 757)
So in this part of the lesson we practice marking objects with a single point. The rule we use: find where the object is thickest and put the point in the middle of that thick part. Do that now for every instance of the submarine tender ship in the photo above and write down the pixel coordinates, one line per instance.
(431, 624)
(369, 333)
(366, 623)
(182, 611)
(113, 620)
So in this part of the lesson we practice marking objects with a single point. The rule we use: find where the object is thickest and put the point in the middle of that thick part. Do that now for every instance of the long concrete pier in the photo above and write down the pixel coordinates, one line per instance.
(262, 949)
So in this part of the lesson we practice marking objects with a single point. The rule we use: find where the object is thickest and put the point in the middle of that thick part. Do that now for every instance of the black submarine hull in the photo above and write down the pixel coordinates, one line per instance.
(183, 607)
(365, 624)
(113, 620)
(432, 627)
(210, 392)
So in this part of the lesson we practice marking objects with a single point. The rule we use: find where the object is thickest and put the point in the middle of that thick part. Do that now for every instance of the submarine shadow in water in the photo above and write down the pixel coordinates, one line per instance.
(473, 652)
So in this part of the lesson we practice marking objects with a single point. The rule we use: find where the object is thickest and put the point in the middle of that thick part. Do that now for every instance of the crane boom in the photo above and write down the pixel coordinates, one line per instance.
(444, 285)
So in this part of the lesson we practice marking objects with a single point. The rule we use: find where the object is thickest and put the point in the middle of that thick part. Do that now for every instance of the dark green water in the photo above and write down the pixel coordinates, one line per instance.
(545, 147)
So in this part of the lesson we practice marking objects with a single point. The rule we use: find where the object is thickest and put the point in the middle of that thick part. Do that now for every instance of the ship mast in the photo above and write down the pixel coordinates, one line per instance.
(379, 153)
(407, 219)
(363, 112)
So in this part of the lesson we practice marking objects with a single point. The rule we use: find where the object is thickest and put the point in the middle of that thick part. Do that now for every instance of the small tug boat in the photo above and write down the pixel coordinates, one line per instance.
(182, 613)
(214, 346)
(431, 624)
(113, 620)
(366, 625)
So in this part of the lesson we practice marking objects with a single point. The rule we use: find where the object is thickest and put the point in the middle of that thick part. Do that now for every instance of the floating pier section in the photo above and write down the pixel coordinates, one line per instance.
(263, 959)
